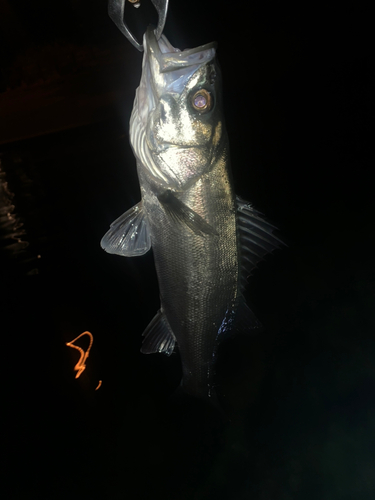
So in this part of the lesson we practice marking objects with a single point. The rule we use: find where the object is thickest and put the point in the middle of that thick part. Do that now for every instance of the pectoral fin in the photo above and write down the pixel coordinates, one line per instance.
(129, 235)
(182, 214)
(158, 336)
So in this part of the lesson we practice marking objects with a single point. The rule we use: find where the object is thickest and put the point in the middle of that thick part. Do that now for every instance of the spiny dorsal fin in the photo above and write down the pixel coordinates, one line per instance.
(182, 214)
(158, 336)
(256, 237)
(129, 235)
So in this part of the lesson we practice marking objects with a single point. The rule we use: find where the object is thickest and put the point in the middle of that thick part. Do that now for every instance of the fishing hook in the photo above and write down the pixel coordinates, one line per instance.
(116, 10)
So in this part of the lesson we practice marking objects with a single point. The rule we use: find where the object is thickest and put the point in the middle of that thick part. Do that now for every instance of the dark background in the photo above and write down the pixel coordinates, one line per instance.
(299, 108)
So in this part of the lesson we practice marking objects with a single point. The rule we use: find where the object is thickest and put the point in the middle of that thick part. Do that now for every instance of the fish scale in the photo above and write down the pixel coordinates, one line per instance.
(198, 275)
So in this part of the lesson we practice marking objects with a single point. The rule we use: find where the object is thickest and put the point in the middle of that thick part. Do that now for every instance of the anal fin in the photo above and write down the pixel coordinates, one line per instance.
(239, 319)
(246, 321)
(158, 336)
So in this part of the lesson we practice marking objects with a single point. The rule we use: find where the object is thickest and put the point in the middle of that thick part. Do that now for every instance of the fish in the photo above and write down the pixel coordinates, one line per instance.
(206, 240)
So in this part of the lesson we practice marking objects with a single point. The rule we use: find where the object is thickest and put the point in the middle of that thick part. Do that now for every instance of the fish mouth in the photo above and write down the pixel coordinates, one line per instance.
(170, 58)
(168, 69)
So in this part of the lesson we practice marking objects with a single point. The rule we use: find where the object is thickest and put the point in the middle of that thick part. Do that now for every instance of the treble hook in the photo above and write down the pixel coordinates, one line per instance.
(116, 10)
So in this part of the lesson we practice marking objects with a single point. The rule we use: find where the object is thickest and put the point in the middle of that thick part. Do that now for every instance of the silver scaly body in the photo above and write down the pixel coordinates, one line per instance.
(205, 240)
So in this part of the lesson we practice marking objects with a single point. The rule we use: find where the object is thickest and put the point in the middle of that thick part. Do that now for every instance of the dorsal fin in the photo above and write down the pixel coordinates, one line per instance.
(129, 234)
(158, 336)
(257, 237)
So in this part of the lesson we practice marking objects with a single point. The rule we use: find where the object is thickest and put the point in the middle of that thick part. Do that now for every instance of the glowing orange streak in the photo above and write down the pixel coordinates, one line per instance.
(80, 366)
(100, 383)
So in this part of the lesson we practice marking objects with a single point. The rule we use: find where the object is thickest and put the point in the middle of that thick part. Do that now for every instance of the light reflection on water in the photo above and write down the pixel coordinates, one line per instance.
(15, 189)
(80, 366)
(12, 233)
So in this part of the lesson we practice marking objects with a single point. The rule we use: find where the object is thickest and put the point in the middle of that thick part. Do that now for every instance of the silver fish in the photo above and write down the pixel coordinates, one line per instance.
(206, 241)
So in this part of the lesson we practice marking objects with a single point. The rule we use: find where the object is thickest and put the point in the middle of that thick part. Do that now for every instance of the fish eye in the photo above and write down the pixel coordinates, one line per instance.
(202, 100)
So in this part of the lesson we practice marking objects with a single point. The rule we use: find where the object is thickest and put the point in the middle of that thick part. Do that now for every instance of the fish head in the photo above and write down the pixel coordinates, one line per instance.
(179, 109)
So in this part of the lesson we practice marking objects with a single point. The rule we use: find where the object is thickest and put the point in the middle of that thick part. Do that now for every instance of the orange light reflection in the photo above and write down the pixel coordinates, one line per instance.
(80, 366)
(100, 383)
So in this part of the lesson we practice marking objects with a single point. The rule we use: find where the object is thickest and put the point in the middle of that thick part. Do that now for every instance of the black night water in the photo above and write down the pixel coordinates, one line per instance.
(299, 396)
